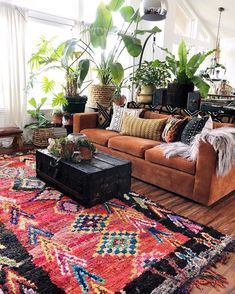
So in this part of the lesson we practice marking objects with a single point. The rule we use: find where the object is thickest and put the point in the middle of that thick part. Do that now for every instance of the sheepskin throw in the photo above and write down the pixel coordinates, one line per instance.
(222, 140)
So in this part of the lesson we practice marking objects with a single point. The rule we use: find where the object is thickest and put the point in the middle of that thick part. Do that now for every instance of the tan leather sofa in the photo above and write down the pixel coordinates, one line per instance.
(194, 180)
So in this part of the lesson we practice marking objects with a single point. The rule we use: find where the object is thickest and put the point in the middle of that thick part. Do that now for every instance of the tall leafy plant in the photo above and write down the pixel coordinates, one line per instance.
(109, 69)
(184, 69)
(66, 57)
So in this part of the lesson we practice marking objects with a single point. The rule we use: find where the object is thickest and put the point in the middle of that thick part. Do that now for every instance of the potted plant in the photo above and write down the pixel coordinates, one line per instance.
(118, 97)
(109, 69)
(61, 147)
(86, 148)
(184, 71)
(149, 76)
(41, 126)
(66, 57)
(57, 116)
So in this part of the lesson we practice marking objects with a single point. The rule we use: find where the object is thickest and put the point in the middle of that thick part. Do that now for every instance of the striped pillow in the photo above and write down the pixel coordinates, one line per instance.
(143, 128)
(173, 129)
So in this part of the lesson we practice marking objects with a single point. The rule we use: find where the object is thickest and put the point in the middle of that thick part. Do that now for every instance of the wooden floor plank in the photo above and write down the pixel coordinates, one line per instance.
(220, 216)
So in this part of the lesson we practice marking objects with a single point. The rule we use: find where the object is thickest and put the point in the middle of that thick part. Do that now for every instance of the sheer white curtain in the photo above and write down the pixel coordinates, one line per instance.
(12, 66)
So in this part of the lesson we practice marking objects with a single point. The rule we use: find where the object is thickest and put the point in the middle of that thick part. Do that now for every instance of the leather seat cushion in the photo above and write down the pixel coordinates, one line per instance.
(131, 145)
(156, 155)
(99, 136)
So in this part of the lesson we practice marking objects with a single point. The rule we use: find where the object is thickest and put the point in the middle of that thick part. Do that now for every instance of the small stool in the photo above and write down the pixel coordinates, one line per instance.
(14, 132)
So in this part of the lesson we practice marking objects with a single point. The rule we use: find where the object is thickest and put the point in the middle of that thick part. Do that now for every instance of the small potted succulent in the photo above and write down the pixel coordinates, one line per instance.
(61, 147)
(86, 148)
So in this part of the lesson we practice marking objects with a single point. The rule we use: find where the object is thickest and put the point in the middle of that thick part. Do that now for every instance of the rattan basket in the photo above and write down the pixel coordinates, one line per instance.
(101, 94)
(41, 136)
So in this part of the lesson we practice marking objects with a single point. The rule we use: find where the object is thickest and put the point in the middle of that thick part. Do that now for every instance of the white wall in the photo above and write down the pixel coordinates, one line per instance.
(228, 59)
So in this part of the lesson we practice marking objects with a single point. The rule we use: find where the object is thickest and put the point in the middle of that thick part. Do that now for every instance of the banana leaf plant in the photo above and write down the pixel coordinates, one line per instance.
(109, 69)
(67, 57)
(184, 69)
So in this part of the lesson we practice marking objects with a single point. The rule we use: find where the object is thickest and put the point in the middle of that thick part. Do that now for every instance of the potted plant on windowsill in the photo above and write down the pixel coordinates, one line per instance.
(57, 117)
(185, 77)
(109, 70)
(40, 125)
(149, 76)
(67, 57)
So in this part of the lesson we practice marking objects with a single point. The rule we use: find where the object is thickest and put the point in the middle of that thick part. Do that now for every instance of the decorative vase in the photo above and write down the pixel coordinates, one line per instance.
(177, 94)
(86, 153)
(145, 95)
(101, 94)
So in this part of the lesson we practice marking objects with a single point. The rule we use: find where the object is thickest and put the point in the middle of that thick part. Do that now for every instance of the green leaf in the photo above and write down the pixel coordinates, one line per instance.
(133, 45)
(117, 72)
(182, 53)
(83, 69)
(69, 49)
(33, 102)
(136, 17)
(100, 28)
(152, 31)
(127, 13)
(202, 86)
(115, 5)
(47, 85)
(59, 99)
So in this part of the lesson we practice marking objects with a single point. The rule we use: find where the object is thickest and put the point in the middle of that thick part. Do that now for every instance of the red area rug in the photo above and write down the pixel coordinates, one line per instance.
(51, 244)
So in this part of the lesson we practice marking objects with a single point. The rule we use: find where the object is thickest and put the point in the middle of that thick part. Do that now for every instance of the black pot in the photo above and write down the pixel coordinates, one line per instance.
(75, 104)
(177, 94)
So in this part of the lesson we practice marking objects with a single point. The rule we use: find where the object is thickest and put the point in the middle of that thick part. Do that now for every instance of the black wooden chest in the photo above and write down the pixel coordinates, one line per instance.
(89, 182)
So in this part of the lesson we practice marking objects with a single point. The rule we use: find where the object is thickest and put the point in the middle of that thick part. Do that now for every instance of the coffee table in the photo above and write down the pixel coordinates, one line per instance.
(88, 182)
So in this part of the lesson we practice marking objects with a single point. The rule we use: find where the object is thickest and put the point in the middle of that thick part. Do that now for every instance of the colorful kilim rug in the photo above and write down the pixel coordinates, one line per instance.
(50, 244)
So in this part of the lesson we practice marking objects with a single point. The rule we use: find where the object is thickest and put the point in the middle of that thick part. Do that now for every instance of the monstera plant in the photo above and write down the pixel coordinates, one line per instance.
(184, 72)
(109, 68)
(67, 57)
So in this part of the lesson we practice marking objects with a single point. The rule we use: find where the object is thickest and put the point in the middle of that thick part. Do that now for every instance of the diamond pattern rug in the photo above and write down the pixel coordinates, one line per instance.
(51, 244)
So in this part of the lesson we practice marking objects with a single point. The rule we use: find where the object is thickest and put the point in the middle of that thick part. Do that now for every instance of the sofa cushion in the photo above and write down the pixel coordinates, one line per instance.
(173, 129)
(104, 116)
(99, 136)
(156, 155)
(143, 128)
(131, 145)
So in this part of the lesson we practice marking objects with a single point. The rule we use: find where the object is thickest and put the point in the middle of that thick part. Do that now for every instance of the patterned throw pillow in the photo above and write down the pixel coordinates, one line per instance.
(117, 118)
(143, 128)
(193, 127)
(104, 117)
(173, 129)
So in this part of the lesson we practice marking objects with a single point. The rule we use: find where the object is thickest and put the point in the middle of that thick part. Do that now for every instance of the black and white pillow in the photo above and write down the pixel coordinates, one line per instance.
(192, 128)
(104, 116)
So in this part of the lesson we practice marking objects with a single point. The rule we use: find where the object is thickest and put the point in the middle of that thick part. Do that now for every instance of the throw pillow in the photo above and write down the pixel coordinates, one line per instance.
(104, 117)
(173, 129)
(143, 128)
(192, 128)
(117, 118)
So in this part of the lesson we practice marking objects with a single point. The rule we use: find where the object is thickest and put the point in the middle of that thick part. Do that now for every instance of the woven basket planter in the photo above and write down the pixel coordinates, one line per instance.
(101, 94)
(41, 136)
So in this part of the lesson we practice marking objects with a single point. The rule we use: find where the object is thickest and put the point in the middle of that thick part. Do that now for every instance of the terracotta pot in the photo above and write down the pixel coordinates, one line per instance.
(86, 153)
(120, 100)
(57, 119)
(67, 150)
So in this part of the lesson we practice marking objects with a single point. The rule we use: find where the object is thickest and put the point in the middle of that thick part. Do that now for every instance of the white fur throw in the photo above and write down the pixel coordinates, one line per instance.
(222, 140)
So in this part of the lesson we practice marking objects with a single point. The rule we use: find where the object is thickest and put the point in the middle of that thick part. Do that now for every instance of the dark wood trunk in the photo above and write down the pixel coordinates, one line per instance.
(89, 182)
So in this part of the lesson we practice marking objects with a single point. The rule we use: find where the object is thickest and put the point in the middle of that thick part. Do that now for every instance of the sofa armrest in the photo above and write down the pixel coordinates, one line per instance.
(87, 120)
(205, 170)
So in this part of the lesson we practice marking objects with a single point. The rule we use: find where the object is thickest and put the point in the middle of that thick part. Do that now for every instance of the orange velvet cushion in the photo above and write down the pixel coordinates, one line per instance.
(99, 136)
(131, 145)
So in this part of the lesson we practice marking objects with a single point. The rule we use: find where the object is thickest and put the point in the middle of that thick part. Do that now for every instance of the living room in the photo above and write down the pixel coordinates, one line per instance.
(117, 146)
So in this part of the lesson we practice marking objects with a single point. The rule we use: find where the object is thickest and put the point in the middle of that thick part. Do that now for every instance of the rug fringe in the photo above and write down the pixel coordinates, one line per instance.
(209, 276)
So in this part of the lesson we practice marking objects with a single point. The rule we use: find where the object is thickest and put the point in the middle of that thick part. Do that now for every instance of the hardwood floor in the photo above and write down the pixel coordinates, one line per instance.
(220, 216)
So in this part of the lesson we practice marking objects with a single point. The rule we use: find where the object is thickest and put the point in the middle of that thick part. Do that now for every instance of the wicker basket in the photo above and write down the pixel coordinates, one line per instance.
(101, 94)
(41, 136)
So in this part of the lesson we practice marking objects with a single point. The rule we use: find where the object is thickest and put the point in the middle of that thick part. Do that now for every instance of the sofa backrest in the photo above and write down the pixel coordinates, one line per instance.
(155, 115)
(220, 125)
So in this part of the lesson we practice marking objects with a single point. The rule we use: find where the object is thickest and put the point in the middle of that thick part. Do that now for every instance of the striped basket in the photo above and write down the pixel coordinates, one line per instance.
(101, 94)
(41, 136)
